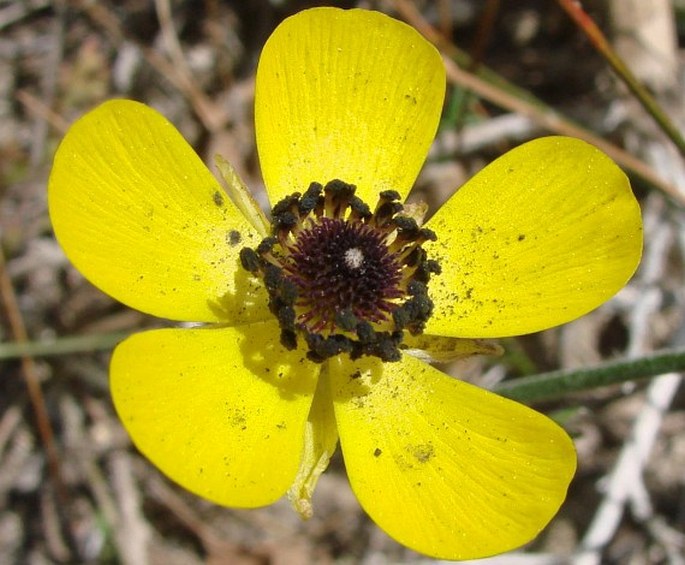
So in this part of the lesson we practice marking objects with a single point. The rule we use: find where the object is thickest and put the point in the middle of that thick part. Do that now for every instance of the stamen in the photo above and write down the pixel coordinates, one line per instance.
(343, 278)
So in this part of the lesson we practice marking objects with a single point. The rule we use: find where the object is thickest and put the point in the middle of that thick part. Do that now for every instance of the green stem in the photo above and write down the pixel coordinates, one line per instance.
(556, 384)
(545, 386)
(455, 109)
(61, 346)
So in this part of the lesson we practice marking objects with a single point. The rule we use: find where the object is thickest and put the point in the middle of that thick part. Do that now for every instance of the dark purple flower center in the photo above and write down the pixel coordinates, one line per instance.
(342, 277)
(340, 266)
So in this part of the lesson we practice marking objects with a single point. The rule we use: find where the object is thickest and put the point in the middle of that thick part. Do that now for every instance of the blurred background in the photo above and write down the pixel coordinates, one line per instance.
(74, 490)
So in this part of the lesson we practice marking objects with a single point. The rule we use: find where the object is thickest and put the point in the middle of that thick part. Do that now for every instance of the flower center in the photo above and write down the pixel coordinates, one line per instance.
(342, 277)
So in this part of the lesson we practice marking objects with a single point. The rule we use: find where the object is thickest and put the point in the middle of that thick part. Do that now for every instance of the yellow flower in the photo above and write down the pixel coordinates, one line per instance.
(313, 337)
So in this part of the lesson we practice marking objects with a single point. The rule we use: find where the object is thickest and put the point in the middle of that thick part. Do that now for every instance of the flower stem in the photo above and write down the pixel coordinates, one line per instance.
(61, 346)
(556, 384)
(534, 388)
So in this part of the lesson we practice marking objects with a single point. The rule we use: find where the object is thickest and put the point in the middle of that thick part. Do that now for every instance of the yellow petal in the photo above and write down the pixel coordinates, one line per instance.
(219, 411)
(446, 468)
(140, 215)
(320, 441)
(541, 236)
(354, 95)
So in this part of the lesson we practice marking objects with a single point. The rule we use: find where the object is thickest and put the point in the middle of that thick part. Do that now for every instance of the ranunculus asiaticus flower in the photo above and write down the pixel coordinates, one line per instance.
(315, 319)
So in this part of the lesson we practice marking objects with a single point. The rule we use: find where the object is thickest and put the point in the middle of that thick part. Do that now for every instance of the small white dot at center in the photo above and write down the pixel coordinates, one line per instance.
(354, 257)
